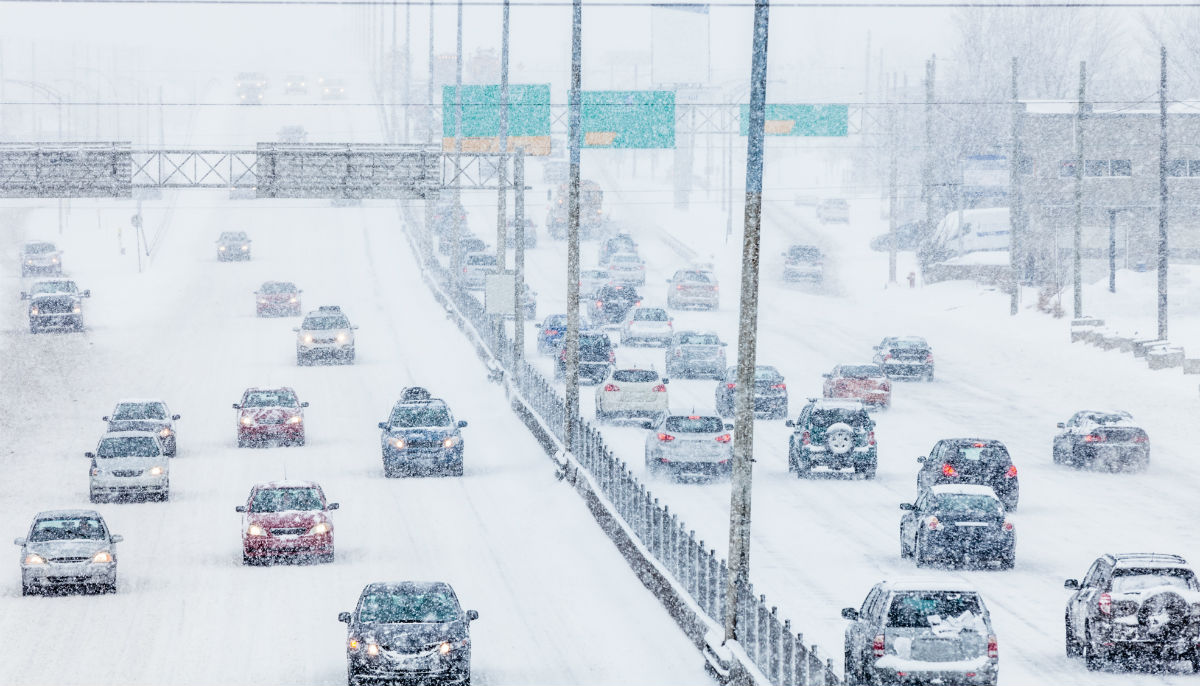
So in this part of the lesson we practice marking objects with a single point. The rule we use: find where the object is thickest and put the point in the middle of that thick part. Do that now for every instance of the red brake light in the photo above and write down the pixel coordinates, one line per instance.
(805, 438)
(1105, 603)
(678, 352)
(1008, 526)
(877, 645)
(993, 647)
(1141, 438)
(978, 445)
(729, 385)
(660, 389)
(1093, 438)
(610, 388)
(934, 524)
(1012, 471)
(612, 356)
(929, 357)
(779, 386)
(887, 356)
(599, 303)
(949, 470)
(870, 438)
(724, 438)
(665, 437)
(679, 287)
(549, 332)
(693, 416)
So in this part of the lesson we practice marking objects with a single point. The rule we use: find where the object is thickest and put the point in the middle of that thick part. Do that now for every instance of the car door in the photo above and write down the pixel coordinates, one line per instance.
(932, 462)
(1064, 441)
(858, 636)
(1080, 602)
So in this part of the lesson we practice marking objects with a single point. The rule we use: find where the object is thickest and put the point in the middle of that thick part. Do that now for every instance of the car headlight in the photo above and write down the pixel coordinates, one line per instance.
(373, 649)
(295, 419)
(102, 556)
(293, 300)
(246, 247)
(320, 528)
(166, 431)
(156, 470)
(445, 648)
(255, 530)
(34, 559)
(54, 260)
(247, 420)
(450, 442)
(222, 247)
(262, 302)
(28, 261)
(352, 644)
(307, 338)
(341, 338)
(398, 443)
(33, 310)
(75, 310)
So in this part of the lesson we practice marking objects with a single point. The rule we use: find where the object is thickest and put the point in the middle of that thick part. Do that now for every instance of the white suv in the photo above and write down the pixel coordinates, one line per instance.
(325, 333)
(129, 463)
(632, 394)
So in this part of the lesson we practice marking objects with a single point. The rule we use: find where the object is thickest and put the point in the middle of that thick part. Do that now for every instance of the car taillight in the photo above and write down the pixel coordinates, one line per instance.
(1105, 603)
(714, 288)
(724, 438)
(1008, 526)
(678, 352)
(612, 356)
(730, 386)
(549, 332)
(1141, 438)
(562, 355)
(993, 647)
(870, 438)
(660, 389)
(610, 388)
(665, 438)
(1012, 472)
(929, 357)
(1093, 438)
(612, 266)
(805, 438)
(949, 470)
(887, 356)
(679, 287)
(877, 645)
(599, 303)
(779, 386)
(934, 524)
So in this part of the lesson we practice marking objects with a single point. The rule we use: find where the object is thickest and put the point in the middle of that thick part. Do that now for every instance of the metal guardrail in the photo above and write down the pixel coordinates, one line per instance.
(771, 644)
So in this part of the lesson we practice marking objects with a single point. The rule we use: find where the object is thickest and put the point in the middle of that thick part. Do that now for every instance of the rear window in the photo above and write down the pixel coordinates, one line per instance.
(326, 322)
(968, 503)
(907, 343)
(596, 345)
(803, 252)
(626, 258)
(824, 418)
(1127, 580)
(699, 339)
(692, 424)
(128, 446)
(979, 452)
(481, 259)
(922, 609)
(693, 277)
(650, 315)
(865, 371)
(767, 375)
(635, 375)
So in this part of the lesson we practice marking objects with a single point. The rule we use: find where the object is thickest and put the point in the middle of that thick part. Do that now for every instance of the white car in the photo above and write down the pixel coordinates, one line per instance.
(40, 256)
(627, 268)
(129, 463)
(690, 446)
(145, 415)
(632, 394)
(592, 280)
(647, 326)
(68, 548)
(693, 288)
(325, 333)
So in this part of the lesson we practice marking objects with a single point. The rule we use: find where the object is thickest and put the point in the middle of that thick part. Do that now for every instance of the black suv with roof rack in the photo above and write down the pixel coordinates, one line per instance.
(837, 434)
(1134, 605)
(420, 435)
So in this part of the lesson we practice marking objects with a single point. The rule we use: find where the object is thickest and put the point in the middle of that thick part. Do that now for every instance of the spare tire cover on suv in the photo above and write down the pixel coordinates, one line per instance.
(1164, 615)
(839, 438)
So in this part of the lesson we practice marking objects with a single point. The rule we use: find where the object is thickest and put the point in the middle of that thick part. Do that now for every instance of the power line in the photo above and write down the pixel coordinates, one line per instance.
(795, 4)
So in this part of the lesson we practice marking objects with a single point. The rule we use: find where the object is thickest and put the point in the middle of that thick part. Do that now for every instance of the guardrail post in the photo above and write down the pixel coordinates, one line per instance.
(787, 656)
(774, 642)
(721, 598)
(673, 546)
(714, 585)
(802, 675)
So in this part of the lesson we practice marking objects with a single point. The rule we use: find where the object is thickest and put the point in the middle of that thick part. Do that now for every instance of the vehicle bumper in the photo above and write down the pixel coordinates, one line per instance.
(631, 410)
(56, 321)
(278, 309)
(933, 673)
(629, 279)
(130, 485)
(1117, 637)
(906, 369)
(803, 274)
(327, 351)
(878, 398)
(679, 300)
(656, 337)
(390, 667)
(261, 433)
(955, 543)
(274, 547)
(699, 366)
(422, 460)
(715, 467)
(72, 574)
(856, 457)
(1122, 454)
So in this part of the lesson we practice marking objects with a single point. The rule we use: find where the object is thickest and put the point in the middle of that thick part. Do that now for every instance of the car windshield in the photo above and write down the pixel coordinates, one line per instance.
(485, 260)
(826, 417)
(433, 607)
(694, 424)
(979, 452)
(594, 345)
(38, 248)
(1131, 579)
(635, 375)
(1106, 417)
(233, 236)
(921, 609)
(699, 339)
(420, 415)
(595, 274)
(766, 375)
(278, 287)
(803, 252)
(626, 258)
(864, 371)
(325, 322)
(906, 343)
(693, 277)
(43, 287)
(67, 529)
(281, 499)
(140, 411)
(650, 315)
(967, 503)
(128, 446)
(279, 398)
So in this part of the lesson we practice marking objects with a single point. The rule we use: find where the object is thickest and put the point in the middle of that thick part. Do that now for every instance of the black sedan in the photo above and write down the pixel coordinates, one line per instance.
(957, 524)
(770, 393)
(1102, 439)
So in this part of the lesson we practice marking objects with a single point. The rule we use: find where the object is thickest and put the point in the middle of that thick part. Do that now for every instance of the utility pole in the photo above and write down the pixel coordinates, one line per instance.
(573, 134)
(1016, 209)
(429, 202)
(519, 259)
(1112, 251)
(407, 70)
(892, 163)
(738, 583)
(927, 167)
(501, 208)
(456, 243)
(393, 75)
(1077, 260)
(1162, 198)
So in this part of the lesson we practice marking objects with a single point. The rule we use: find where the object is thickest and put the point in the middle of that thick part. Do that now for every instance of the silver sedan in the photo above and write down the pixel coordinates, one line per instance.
(690, 445)
(68, 549)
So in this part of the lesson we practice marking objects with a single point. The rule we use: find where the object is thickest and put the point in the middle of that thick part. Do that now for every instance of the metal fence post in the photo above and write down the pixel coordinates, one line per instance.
(802, 676)
(787, 656)
(774, 653)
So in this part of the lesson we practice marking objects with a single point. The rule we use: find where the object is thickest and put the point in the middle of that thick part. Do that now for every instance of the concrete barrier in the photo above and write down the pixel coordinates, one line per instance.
(1191, 365)
(1141, 345)
(1082, 327)
(1113, 341)
(1164, 357)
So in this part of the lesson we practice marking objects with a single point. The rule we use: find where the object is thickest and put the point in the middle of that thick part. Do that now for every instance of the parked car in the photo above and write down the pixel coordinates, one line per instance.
(295, 84)
(145, 415)
(957, 523)
(596, 357)
(692, 354)
(471, 243)
(55, 304)
(286, 520)
(476, 267)
(921, 631)
(1102, 439)
(833, 210)
(866, 382)
(632, 394)
(804, 263)
(905, 357)
(770, 393)
(421, 435)
(690, 445)
(129, 464)
(1134, 605)
(277, 298)
(647, 325)
(592, 280)
(40, 257)
(627, 268)
(979, 461)
(551, 333)
(617, 243)
(835, 434)
(411, 631)
(270, 415)
(612, 303)
(510, 236)
(693, 288)
(68, 549)
(325, 334)
(233, 245)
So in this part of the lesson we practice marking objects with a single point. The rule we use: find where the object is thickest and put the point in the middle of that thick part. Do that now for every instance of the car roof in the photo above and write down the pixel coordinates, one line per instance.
(129, 434)
(985, 441)
(60, 279)
(628, 256)
(285, 483)
(697, 416)
(929, 584)
(697, 332)
(393, 586)
(73, 512)
(963, 489)
(633, 369)
(838, 404)
(437, 402)
(140, 400)
(909, 339)
(1147, 560)
(29, 243)
(252, 389)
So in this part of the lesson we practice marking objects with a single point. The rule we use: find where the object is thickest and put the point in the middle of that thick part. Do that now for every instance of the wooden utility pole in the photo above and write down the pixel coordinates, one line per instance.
(1077, 241)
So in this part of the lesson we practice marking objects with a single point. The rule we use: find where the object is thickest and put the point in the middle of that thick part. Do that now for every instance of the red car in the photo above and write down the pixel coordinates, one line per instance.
(278, 299)
(270, 415)
(867, 382)
(286, 520)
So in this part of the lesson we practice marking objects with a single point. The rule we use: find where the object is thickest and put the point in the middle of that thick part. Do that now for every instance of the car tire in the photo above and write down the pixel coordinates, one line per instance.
(1093, 659)
(455, 469)
(247, 561)
(34, 328)
(867, 470)
(1056, 455)
(164, 496)
(803, 466)
(108, 588)
(1073, 648)
(1194, 658)
(241, 442)
(299, 442)
(919, 556)
(94, 497)
(1008, 560)
(849, 670)
(301, 360)
(327, 558)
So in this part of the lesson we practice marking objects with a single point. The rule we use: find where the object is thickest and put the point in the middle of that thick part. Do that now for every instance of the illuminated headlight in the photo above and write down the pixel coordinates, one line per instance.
(445, 648)
(292, 300)
(246, 247)
(54, 260)
(166, 432)
(352, 644)
(95, 471)
(321, 528)
(28, 261)
(307, 338)
(75, 310)
(341, 338)
(398, 443)
(156, 471)
(450, 442)
(373, 649)
(221, 248)
(34, 559)
(247, 421)
(102, 556)
(302, 84)
(295, 419)
(33, 310)
(262, 302)
(255, 530)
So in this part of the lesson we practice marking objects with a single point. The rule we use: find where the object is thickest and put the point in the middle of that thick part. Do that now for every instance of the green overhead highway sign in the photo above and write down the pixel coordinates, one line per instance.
(628, 119)
(802, 120)
(528, 118)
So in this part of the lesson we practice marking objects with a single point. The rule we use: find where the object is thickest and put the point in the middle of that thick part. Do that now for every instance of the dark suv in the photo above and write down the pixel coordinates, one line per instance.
(770, 393)
(979, 461)
(596, 356)
(1147, 603)
(421, 435)
(408, 631)
(838, 434)
(611, 303)
(1102, 439)
(905, 356)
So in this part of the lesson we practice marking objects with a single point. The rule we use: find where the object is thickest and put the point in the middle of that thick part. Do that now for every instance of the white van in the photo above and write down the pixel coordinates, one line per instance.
(984, 229)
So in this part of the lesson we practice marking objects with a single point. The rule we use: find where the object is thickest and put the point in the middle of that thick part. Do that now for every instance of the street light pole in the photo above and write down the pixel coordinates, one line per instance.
(571, 343)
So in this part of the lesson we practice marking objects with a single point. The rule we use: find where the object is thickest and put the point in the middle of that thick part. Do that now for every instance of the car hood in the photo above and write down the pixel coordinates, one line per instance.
(71, 548)
(277, 296)
(43, 297)
(414, 433)
(268, 413)
(413, 637)
(287, 519)
(154, 425)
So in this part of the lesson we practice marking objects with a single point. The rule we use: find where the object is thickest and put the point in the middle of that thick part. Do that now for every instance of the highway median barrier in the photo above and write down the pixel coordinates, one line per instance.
(1164, 357)
(1140, 346)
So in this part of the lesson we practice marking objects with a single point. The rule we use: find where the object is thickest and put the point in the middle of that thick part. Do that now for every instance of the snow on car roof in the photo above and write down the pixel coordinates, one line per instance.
(140, 400)
(128, 434)
(963, 489)
(1118, 416)
(47, 514)
(838, 404)
(1148, 560)
(929, 584)
(58, 280)
(287, 483)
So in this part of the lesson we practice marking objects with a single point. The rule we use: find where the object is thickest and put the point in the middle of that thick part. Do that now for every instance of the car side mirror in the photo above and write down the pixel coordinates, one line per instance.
(472, 615)
(105, 419)
(24, 295)
(87, 293)
(789, 423)
(236, 406)
(344, 617)
(332, 506)
(728, 426)
(921, 458)
(849, 613)
(665, 380)
(907, 506)
(1062, 425)
(462, 423)
(1072, 584)
(827, 376)
(240, 508)
(383, 425)
(175, 417)
(354, 327)
(90, 456)
(19, 541)
(304, 404)
(116, 538)
(296, 329)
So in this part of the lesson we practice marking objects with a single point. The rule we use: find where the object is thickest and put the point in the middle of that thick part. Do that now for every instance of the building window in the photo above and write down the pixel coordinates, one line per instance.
(1177, 167)
(1193, 167)
(1121, 168)
(1095, 168)
(1066, 168)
